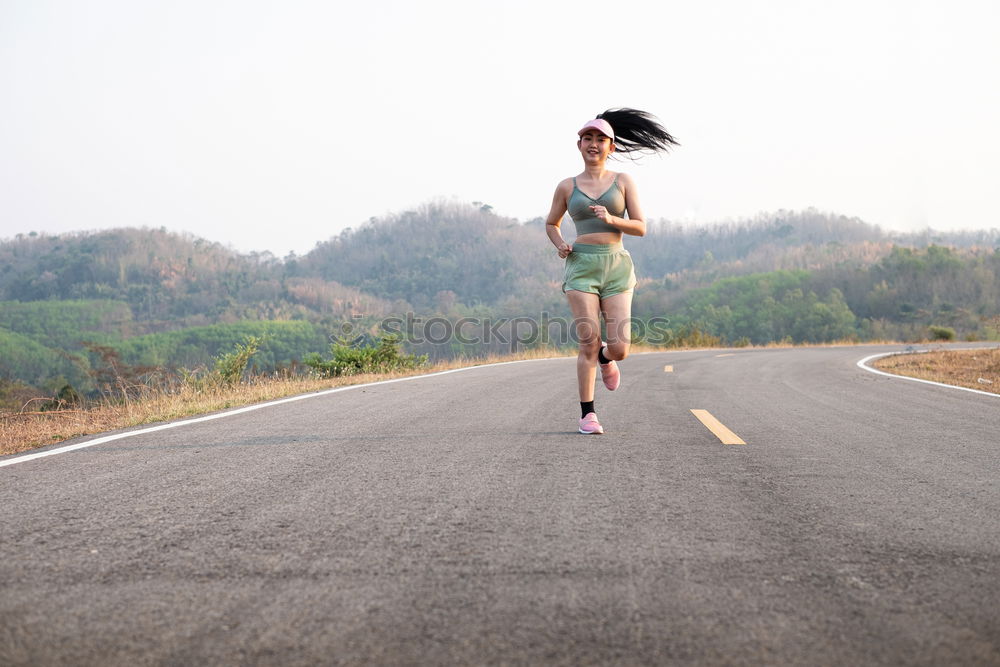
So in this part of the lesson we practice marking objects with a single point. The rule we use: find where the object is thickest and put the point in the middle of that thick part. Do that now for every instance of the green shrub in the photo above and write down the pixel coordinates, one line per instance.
(941, 333)
(229, 367)
(382, 357)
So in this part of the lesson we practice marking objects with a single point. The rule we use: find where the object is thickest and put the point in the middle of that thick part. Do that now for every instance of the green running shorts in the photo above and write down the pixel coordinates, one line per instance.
(604, 270)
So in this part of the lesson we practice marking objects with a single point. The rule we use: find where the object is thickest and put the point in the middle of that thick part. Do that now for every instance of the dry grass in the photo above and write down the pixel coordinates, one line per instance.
(29, 428)
(975, 369)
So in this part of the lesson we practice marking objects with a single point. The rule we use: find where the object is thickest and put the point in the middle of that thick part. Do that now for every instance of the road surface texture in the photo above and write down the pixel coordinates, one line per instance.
(461, 519)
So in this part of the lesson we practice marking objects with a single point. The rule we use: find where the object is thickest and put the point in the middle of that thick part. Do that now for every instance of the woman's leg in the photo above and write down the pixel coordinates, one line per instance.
(617, 312)
(586, 309)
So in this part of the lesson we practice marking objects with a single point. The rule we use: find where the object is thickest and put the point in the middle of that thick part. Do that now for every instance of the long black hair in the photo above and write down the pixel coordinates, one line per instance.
(637, 132)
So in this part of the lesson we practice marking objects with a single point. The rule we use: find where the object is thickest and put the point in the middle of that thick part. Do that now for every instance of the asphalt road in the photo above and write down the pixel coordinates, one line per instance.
(460, 519)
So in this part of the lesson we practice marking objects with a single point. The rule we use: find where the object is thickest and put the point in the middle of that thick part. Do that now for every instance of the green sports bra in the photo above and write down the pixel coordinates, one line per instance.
(583, 217)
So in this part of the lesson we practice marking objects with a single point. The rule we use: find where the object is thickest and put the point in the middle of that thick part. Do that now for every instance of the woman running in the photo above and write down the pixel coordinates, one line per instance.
(599, 277)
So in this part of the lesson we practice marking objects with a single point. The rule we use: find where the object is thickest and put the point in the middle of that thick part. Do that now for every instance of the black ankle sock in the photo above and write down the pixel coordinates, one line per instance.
(586, 408)
(601, 358)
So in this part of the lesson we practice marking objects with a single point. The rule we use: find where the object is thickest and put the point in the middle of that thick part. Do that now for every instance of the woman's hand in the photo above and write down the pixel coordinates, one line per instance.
(602, 214)
(564, 250)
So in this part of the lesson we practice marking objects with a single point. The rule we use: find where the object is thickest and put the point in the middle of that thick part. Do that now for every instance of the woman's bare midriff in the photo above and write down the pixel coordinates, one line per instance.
(599, 238)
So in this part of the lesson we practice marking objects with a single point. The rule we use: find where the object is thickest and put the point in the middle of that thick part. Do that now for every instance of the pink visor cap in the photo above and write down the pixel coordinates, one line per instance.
(599, 124)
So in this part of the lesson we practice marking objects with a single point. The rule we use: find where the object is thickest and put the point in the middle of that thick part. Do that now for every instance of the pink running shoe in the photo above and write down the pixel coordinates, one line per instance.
(590, 426)
(610, 374)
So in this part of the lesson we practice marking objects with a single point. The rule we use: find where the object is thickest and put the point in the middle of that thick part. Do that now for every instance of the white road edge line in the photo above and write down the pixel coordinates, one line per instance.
(864, 364)
(249, 408)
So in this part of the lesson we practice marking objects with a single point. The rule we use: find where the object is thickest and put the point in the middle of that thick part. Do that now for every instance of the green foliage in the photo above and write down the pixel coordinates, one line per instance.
(382, 357)
(912, 288)
(24, 359)
(230, 366)
(68, 395)
(941, 333)
(192, 347)
(763, 308)
(65, 324)
(897, 296)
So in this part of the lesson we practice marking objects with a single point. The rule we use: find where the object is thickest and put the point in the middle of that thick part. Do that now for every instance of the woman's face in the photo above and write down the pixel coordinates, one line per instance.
(595, 146)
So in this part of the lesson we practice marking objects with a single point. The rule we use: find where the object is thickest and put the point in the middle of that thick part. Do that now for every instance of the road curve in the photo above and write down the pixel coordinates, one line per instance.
(461, 519)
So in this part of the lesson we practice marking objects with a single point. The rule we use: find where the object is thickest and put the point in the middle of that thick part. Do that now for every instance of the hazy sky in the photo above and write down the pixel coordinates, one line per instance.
(274, 125)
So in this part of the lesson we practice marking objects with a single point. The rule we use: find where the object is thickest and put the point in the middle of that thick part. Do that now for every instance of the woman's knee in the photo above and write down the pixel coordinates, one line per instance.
(617, 351)
(590, 348)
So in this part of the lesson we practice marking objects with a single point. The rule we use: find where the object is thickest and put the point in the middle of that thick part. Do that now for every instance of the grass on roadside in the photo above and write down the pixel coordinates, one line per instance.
(974, 369)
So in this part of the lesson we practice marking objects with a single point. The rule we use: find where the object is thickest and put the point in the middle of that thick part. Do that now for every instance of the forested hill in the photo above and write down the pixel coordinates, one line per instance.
(483, 258)
(174, 300)
(168, 280)
(779, 241)
(782, 240)
(441, 253)
(438, 255)
(448, 253)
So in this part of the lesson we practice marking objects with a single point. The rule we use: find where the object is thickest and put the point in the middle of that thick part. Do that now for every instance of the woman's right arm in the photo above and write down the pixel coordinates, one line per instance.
(556, 214)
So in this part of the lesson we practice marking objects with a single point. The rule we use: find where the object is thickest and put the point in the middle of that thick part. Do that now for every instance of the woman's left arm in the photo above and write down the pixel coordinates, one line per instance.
(635, 223)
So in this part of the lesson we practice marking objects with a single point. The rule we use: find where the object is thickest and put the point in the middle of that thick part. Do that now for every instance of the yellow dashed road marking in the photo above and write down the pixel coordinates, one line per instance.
(727, 354)
(718, 428)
